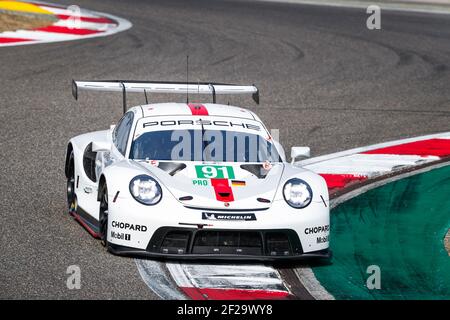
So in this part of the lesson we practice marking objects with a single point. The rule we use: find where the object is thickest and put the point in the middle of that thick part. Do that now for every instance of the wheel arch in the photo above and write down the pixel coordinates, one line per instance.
(67, 165)
(101, 182)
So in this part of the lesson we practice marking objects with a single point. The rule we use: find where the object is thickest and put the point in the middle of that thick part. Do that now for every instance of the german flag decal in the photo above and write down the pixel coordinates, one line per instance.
(237, 183)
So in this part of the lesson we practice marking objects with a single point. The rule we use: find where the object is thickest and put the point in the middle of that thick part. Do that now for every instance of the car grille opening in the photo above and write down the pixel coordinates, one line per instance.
(227, 242)
(277, 244)
(187, 241)
(175, 242)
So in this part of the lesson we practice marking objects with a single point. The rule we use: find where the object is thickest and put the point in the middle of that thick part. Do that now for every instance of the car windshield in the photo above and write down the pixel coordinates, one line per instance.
(208, 145)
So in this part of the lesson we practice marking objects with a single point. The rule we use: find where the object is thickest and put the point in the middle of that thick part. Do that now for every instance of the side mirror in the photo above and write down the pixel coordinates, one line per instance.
(300, 152)
(101, 146)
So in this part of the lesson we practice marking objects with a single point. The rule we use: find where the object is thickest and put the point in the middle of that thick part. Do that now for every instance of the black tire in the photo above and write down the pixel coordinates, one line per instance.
(103, 216)
(71, 196)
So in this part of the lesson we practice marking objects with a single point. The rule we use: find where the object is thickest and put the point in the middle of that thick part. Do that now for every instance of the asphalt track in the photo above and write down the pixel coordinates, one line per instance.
(325, 81)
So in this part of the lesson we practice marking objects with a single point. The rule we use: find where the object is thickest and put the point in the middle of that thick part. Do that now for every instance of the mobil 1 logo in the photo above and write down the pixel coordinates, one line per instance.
(120, 236)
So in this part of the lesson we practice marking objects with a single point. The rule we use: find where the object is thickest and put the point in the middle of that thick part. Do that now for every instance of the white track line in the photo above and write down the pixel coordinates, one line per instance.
(41, 35)
(369, 165)
(86, 25)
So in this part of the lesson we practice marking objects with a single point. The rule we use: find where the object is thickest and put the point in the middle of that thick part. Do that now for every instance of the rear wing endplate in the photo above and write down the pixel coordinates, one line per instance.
(164, 87)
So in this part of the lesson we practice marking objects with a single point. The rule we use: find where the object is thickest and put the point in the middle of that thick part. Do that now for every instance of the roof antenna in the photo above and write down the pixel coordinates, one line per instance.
(146, 99)
(187, 79)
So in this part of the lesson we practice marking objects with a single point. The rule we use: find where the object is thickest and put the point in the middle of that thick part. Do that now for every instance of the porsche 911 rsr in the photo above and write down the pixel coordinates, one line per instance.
(194, 181)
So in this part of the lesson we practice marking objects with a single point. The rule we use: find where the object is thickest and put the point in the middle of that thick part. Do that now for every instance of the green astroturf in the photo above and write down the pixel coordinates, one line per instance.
(399, 227)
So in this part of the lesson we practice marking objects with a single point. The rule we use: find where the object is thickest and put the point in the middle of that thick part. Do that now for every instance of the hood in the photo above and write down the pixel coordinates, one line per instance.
(228, 185)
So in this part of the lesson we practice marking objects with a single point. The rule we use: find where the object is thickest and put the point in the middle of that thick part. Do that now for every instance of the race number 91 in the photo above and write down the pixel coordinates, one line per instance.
(214, 172)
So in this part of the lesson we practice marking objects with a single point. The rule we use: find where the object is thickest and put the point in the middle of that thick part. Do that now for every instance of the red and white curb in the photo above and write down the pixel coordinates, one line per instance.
(69, 26)
(350, 167)
(176, 281)
(157, 278)
(228, 282)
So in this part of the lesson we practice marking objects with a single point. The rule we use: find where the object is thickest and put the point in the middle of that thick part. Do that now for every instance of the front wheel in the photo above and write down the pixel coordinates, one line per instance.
(103, 217)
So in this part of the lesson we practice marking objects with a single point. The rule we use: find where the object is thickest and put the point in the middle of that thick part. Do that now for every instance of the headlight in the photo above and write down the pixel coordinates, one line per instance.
(297, 193)
(145, 190)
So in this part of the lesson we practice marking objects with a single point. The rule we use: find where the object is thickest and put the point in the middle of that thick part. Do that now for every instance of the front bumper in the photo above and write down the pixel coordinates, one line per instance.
(138, 253)
(172, 243)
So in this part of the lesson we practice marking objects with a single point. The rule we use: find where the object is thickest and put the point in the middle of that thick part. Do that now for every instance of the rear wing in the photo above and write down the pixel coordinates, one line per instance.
(164, 87)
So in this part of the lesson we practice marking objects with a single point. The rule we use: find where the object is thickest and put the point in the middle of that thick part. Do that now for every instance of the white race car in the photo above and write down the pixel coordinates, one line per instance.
(194, 181)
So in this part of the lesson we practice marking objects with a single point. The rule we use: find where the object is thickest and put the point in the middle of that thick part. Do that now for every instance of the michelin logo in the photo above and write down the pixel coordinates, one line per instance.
(228, 217)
